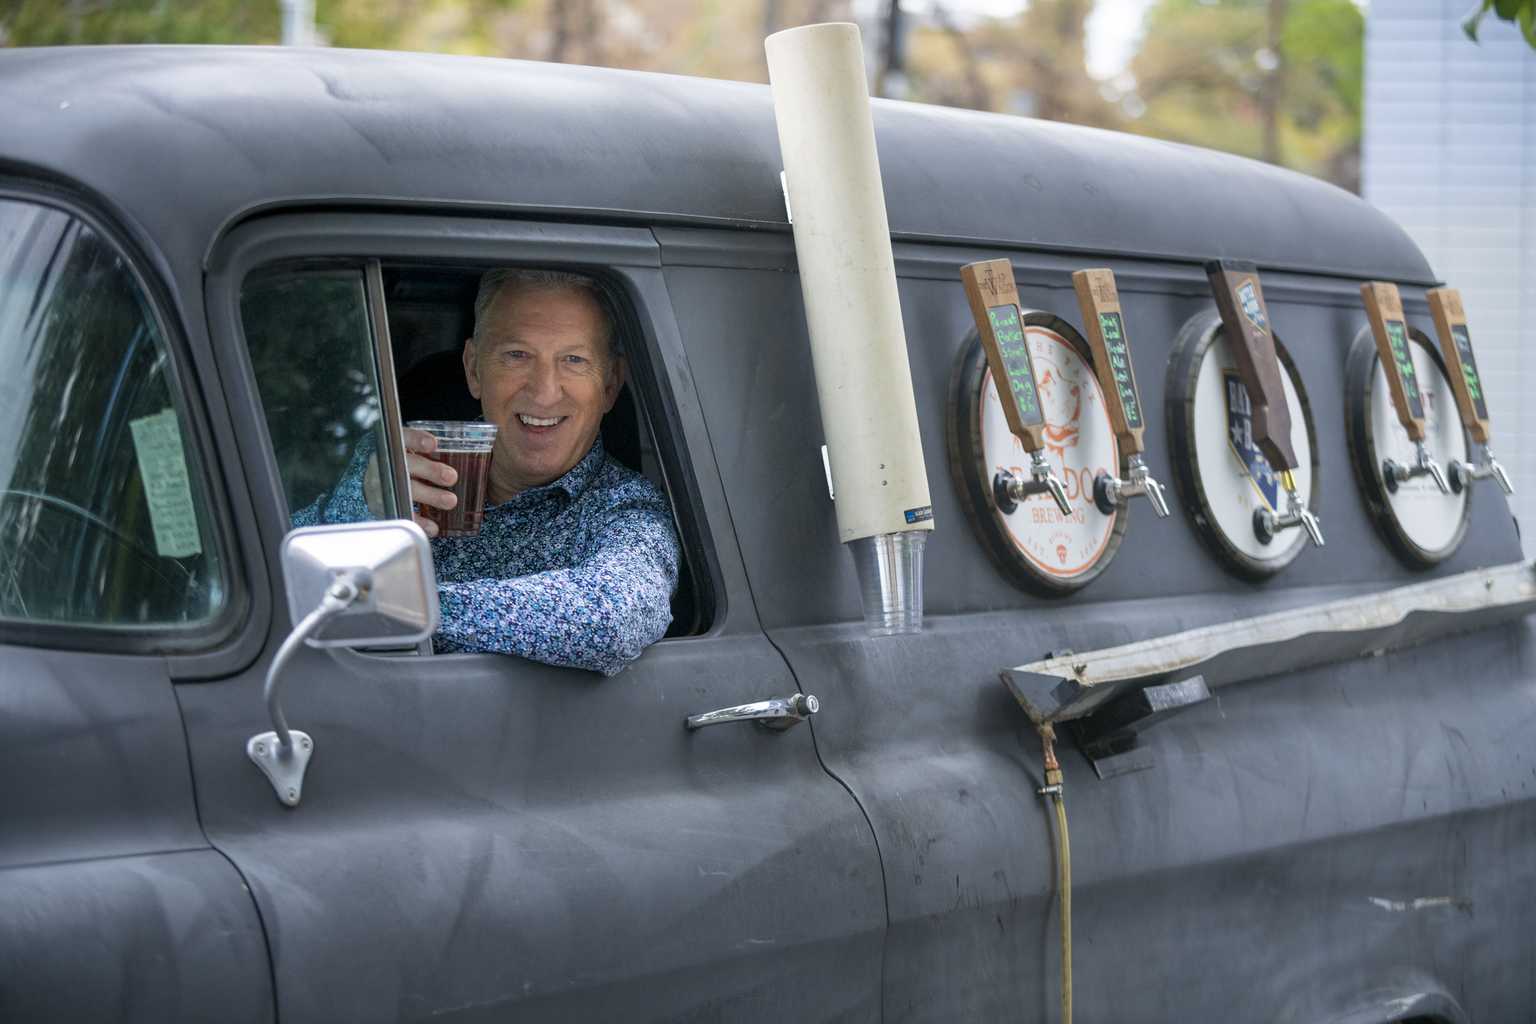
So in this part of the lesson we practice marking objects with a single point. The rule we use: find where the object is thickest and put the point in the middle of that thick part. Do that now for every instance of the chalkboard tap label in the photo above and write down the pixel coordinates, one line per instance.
(1113, 329)
(1008, 329)
(1469, 375)
(1397, 338)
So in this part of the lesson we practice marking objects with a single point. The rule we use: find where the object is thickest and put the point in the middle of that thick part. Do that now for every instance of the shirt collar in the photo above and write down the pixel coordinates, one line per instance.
(576, 480)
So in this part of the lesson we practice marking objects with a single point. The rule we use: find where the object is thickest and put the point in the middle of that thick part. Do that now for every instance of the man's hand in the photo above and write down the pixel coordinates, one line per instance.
(428, 478)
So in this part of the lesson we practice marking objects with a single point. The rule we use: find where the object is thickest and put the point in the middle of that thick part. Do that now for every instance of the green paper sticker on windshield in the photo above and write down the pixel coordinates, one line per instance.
(167, 489)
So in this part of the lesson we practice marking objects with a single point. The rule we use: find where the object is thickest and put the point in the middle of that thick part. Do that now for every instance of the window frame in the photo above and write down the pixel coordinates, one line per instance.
(607, 253)
(168, 638)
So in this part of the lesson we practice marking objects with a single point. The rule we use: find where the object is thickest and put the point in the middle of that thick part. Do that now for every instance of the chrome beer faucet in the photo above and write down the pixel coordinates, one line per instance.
(1424, 464)
(1464, 473)
(1009, 488)
(1111, 492)
(1266, 524)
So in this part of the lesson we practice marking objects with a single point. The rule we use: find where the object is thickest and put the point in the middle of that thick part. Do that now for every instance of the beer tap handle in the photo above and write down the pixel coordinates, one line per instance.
(994, 300)
(1240, 300)
(1467, 385)
(1099, 300)
(1104, 324)
(1460, 363)
(1384, 309)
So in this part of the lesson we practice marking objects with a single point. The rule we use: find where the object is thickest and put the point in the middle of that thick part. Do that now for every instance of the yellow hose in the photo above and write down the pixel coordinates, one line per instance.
(1053, 789)
(1064, 863)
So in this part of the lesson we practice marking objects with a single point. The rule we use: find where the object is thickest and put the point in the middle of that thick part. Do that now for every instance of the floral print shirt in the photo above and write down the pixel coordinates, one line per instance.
(578, 572)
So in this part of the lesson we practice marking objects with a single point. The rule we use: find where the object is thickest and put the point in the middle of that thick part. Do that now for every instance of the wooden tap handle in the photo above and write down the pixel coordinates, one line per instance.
(994, 300)
(1384, 309)
(1099, 300)
(1246, 319)
(1461, 365)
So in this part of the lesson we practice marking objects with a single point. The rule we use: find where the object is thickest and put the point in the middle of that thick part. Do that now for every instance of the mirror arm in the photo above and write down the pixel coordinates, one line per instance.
(341, 593)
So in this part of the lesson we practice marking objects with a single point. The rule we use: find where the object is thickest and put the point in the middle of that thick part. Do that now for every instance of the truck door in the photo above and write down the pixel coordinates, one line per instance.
(113, 568)
(481, 835)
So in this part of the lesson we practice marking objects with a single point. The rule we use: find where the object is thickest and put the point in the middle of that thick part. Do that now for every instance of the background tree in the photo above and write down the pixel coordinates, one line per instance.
(1274, 79)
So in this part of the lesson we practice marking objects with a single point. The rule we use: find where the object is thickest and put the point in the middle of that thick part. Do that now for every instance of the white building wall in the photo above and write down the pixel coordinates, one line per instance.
(1449, 151)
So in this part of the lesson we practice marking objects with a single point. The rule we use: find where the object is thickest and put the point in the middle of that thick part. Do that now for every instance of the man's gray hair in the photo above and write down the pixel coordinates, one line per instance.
(493, 281)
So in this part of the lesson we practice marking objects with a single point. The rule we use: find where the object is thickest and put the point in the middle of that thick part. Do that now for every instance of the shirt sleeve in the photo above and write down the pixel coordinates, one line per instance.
(597, 615)
(343, 503)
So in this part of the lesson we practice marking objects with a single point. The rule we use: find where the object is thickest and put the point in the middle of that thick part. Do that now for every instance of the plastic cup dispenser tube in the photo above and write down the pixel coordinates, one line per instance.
(858, 345)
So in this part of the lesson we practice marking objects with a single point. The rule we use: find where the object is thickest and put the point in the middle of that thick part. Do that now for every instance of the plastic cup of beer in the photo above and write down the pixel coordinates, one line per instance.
(466, 446)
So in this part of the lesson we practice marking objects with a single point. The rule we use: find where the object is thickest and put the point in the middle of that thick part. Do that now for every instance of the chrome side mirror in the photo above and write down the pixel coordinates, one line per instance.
(348, 585)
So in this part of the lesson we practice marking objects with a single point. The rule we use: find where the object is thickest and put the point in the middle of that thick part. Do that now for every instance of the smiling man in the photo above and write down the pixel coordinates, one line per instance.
(576, 558)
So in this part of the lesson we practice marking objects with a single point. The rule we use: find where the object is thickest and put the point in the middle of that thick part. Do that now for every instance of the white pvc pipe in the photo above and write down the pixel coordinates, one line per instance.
(848, 280)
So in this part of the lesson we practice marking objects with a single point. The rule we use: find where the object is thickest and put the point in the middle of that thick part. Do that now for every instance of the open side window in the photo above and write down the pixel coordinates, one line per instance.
(344, 352)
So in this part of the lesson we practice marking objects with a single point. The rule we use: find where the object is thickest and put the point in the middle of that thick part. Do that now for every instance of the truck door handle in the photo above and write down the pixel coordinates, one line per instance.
(777, 714)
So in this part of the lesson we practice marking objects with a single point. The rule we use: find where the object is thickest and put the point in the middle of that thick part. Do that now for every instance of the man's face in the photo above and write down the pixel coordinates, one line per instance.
(543, 374)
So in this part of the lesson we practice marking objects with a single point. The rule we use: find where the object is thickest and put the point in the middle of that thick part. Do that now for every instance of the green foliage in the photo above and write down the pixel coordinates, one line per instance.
(76, 22)
(450, 26)
(1521, 12)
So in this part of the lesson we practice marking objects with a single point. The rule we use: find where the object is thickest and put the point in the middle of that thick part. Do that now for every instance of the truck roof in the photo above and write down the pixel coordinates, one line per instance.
(185, 141)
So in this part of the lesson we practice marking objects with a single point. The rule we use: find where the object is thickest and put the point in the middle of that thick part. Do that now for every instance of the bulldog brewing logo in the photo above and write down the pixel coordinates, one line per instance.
(1079, 444)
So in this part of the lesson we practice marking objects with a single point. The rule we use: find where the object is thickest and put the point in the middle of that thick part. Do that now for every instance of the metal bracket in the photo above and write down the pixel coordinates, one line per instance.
(284, 767)
(1111, 737)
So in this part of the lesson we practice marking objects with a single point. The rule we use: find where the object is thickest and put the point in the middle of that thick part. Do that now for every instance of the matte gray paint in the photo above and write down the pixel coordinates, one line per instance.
(112, 906)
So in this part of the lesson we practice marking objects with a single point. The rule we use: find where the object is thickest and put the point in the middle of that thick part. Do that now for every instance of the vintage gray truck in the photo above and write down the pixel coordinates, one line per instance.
(221, 269)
